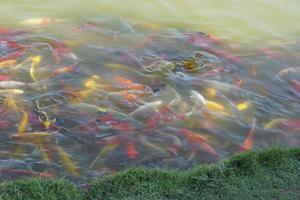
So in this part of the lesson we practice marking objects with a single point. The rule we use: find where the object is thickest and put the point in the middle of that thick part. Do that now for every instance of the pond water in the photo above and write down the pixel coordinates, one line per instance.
(88, 88)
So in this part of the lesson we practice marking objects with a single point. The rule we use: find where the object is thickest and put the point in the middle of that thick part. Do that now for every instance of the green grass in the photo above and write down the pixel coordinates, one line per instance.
(269, 174)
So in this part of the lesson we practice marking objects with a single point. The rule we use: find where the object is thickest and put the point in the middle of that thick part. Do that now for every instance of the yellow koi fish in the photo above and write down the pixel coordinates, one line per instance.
(273, 123)
(67, 162)
(24, 122)
(35, 61)
(216, 107)
(40, 21)
(243, 106)
(34, 137)
(11, 92)
(104, 151)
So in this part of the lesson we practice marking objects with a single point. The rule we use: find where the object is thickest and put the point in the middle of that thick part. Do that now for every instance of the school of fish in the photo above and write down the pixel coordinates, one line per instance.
(94, 98)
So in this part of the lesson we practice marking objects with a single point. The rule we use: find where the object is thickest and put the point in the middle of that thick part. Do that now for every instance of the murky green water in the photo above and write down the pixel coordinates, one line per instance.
(92, 87)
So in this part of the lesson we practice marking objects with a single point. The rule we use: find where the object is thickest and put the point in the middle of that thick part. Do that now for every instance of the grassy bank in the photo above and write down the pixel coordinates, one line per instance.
(269, 174)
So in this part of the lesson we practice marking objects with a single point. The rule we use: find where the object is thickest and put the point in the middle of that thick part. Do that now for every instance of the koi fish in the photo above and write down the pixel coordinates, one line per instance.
(291, 124)
(214, 106)
(24, 122)
(239, 82)
(11, 32)
(35, 61)
(5, 77)
(248, 143)
(214, 72)
(4, 124)
(199, 103)
(149, 145)
(12, 84)
(289, 70)
(254, 71)
(198, 140)
(62, 70)
(243, 106)
(5, 44)
(273, 123)
(67, 162)
(211, 92)
(202, 40)
(8, 63)
(295, 85)
(225, 54)
(132, 153)
(270, 53)
(13, 55)
(11, 92)
(105, 150)
(60, 50)
(147, 106)
(36, 137)
(40, 21)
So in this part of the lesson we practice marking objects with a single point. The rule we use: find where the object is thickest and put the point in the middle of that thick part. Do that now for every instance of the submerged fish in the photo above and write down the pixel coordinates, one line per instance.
(8, 63)
(295, 85)
(197, 139)
(35, 61)
(40, 21)
(24, 122)
(248, 143)
(288, 70)
(67, 162)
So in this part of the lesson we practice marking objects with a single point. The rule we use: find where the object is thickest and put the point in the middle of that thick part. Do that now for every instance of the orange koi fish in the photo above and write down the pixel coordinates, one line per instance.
(62, 70)
(8, 63)
(198, 140)
(132, 152)
(239, 82)
(248, 143)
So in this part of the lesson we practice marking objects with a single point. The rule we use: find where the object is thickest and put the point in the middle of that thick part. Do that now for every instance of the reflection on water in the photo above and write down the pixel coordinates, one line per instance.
(83, 99)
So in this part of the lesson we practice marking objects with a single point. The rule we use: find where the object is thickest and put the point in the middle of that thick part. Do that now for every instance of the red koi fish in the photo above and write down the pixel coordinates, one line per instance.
(164, 114)
(248, 143)
(13, 55)
(115, 124)
(214, 72)
(225, 54)
(129, 84)
(291, 124)
(5, 77)
(271, 54)
(202, 40)
(131, 151)
(4, 124)
(11, 32)
(61, 50)
(198, 140)
(295, 85)
(5, 44)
